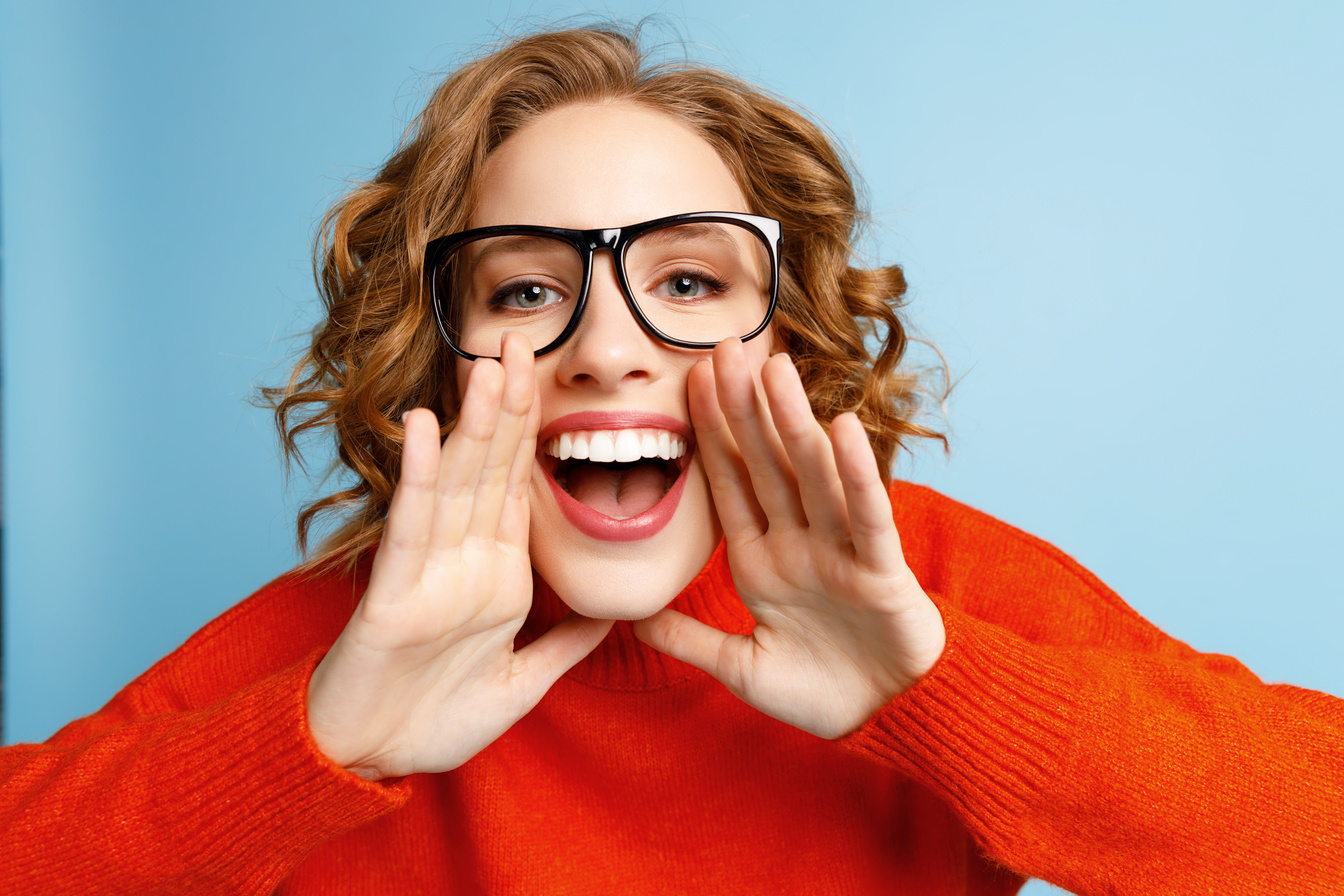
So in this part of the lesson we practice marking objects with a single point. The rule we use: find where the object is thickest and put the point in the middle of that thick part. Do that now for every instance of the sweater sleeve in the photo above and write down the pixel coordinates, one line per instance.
(1082, 746)
(175, 789)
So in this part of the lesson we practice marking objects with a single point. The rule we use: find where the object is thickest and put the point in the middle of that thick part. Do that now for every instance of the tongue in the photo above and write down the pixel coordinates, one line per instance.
(621, 492)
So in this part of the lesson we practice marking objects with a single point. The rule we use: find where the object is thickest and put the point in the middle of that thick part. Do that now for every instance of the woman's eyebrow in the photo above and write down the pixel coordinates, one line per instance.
(520, 242)
(693, 231)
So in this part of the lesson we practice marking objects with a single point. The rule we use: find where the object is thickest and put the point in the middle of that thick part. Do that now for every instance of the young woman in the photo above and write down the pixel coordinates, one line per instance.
(650, 616)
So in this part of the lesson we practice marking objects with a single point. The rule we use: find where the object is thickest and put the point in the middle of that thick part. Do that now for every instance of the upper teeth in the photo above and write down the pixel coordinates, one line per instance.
(620, 445)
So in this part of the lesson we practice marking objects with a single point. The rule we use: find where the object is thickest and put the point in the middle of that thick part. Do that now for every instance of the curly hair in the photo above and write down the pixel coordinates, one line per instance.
(378, 354)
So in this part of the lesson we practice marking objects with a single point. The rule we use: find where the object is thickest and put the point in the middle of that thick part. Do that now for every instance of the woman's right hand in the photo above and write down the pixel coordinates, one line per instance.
(425, 676)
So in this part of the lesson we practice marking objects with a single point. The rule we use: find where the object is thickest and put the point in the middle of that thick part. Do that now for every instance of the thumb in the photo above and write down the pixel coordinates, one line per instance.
(554, 653)
(722, 655)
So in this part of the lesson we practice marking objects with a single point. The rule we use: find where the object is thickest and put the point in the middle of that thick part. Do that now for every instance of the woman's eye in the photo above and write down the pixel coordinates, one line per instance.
(688, 286)
(684, 287)
(527, 297)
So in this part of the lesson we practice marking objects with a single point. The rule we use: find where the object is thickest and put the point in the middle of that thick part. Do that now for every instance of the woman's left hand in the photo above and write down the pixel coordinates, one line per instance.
(842, 626)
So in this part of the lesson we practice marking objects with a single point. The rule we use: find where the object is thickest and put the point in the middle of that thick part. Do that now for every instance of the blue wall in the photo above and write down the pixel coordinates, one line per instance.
(1121, 222)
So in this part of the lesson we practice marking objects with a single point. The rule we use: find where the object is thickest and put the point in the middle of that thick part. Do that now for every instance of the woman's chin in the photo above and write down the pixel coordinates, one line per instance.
(619, 590)
(623, 575)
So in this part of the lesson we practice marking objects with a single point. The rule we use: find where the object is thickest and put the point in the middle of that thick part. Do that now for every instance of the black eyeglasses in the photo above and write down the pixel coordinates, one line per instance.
(690, 280)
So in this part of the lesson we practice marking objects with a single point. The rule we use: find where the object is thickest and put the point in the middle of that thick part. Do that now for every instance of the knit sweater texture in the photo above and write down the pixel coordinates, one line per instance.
(1059, 736)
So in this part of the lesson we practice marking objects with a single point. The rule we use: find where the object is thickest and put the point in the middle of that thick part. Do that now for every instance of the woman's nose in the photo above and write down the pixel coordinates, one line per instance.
(609, 348)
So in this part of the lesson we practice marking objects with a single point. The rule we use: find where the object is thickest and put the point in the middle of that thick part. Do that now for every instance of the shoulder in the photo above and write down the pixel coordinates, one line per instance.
(277, 626)
(298, 606)
(938, 527)
(938, 521)
(998, 572)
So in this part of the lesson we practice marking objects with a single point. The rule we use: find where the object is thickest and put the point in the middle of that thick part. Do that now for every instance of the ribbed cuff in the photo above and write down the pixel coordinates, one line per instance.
(986, 729)
(280, 795)
(228, 798)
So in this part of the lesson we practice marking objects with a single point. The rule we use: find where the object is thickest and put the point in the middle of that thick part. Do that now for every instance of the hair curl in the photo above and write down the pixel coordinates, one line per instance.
(377, 353)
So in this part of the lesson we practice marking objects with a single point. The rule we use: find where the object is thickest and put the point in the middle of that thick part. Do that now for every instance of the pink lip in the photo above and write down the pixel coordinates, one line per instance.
(598, 525)
(611, 420)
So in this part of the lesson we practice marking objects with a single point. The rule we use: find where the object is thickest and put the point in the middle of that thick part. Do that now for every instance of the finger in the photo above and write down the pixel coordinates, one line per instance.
(464, 452)
(749, 421)
(556, 652)
(734, 501)
(507, 446)
(877, 544)
(513, 526)
(703, 646)
(810, 451)
(396, 567)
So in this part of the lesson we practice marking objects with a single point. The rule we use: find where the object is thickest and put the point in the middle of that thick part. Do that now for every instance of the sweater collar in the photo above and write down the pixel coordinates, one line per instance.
(622, 662)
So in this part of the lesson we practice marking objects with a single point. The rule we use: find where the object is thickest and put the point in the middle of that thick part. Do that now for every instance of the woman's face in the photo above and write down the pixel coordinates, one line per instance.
(587, 167)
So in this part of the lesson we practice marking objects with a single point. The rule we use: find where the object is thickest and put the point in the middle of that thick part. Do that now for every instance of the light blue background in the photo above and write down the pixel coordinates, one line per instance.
(1122, 223)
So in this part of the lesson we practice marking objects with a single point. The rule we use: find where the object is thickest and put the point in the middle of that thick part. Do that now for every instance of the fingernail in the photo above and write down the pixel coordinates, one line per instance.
(404, 415)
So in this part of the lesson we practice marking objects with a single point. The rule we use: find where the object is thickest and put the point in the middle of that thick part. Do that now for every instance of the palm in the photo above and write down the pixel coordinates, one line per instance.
(841, 623)
(456, 656)
(425, 675)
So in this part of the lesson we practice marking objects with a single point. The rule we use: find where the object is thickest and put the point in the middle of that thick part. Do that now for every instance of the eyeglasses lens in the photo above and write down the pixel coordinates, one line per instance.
(696, 281)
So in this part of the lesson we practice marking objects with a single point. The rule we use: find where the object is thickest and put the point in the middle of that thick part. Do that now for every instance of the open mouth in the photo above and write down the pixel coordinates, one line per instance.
(620, 474)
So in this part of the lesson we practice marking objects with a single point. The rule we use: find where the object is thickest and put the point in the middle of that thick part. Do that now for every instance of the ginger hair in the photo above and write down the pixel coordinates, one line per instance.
(377, 354)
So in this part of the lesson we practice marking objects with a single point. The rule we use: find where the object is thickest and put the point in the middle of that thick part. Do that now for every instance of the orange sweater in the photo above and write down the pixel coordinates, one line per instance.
(1059, 736)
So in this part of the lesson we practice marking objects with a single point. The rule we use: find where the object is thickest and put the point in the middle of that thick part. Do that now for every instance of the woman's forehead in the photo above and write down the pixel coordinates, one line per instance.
(602, 165)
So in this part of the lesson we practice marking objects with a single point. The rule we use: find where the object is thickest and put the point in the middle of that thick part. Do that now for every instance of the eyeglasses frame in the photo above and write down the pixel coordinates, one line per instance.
(586, 242)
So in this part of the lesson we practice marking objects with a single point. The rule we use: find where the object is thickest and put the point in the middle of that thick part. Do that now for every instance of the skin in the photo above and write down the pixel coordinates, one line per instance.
(561, 171)
(425, 675)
